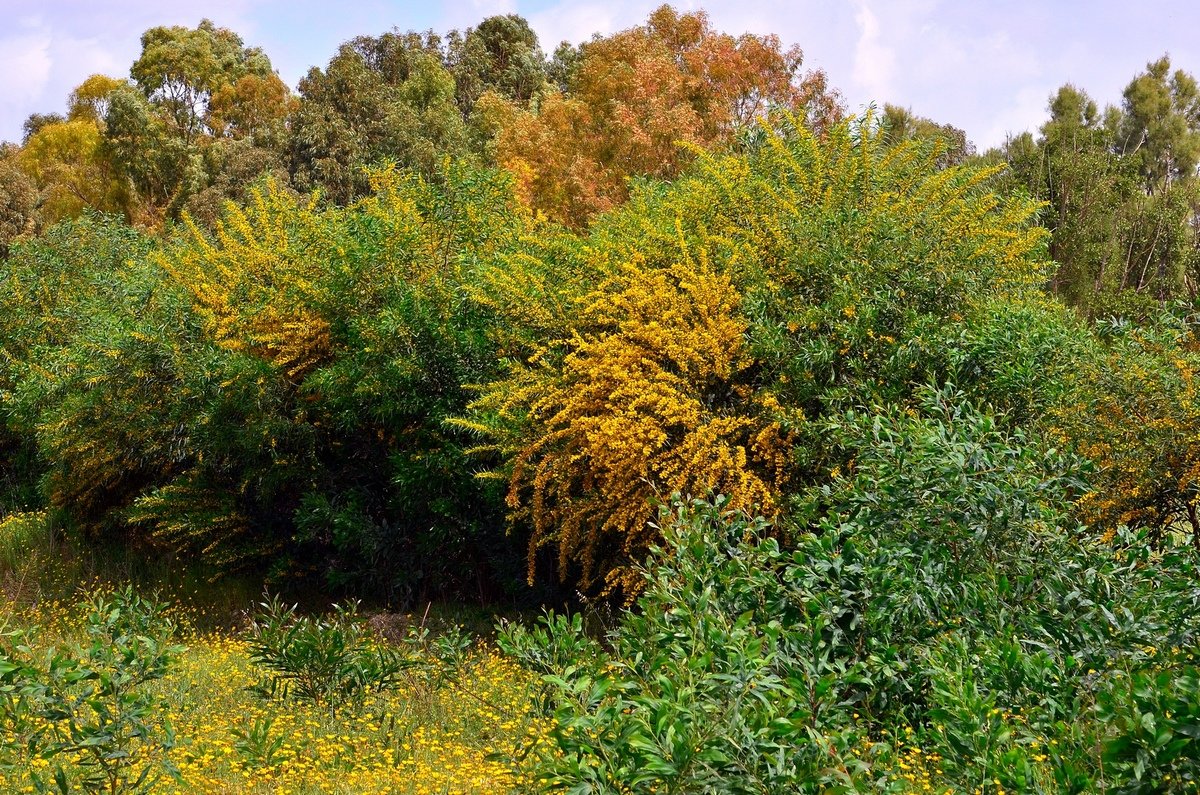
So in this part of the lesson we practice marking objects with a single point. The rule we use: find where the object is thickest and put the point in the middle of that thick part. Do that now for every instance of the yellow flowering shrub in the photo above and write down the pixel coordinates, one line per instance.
(732, 310)
(256, 283)
(272, 394)
(652, 397)
(1134, 411)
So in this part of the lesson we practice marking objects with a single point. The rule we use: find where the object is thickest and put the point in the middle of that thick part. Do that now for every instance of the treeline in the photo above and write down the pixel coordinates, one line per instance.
(203, 116)
(1122, 192)
(475, 312)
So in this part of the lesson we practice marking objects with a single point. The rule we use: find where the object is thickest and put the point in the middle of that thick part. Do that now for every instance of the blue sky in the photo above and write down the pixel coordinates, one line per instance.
(987, 67)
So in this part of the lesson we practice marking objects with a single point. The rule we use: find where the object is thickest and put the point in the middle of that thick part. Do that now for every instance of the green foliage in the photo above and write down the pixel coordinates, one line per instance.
(272, 395)
(256, 744)
(736, 309)
(935, 595)
(1156, 718)
(88, 711)
(332, 661)
(336, 661)
(1121, 190)
(500, 54)
(379, 101)
(725, 680)
(54, 286)
(1021, 358)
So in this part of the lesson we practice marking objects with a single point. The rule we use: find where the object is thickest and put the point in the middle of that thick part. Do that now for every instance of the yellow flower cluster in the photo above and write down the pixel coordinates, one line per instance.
(651, 399)
(424, 737)
(255, 286)
(1135, 416)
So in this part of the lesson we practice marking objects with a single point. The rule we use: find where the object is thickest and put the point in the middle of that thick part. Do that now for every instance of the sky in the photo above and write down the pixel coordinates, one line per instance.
(986, 67)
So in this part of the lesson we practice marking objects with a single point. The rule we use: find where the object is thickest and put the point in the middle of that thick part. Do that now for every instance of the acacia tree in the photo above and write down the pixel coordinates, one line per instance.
(1133, 410)
(653, 395)
(740, 307)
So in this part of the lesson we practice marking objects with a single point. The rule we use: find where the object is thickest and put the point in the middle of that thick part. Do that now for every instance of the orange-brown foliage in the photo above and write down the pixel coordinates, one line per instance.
(641, 93)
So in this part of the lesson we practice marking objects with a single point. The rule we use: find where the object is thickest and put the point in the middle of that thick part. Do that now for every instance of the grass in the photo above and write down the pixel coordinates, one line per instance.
(459, 737)
(461, 733)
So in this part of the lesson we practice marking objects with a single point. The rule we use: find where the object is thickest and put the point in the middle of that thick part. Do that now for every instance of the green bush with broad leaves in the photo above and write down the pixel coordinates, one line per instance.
(85, 716)
(934, 620)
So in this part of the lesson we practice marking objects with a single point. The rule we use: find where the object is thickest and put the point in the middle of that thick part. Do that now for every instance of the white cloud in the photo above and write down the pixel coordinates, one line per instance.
(874, 62)
(25, 60)
(576, 22)
(52, 48)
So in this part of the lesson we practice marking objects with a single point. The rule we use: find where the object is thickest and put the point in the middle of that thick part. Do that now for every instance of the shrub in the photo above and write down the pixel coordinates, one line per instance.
(269, 396)
(737, 309)
(935, 598)
(1132, 409)
(92, 704)
(723, 681)
(330, 660)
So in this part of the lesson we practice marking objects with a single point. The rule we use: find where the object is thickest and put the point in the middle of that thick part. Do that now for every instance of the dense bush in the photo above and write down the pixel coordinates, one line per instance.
(1131, 408)
(274, 394)
(940, 599)
(735, 309)
(957, 536)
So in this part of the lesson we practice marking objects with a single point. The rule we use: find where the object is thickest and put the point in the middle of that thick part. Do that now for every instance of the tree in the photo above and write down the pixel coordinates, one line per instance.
(67, 163)
(738, 308)
(653, 395)
(37, 121)
(634, 97)
(380, 100)
(1123, 231)
(1160, 125)
(89, 101)
(234, 167)
(254, 107)
(501, 54)
(1133, 411)
(901, 124)
(1087, 186)
(49, 290)
(141, 148)
(273, 393)
(179, 69)
(18, 203)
